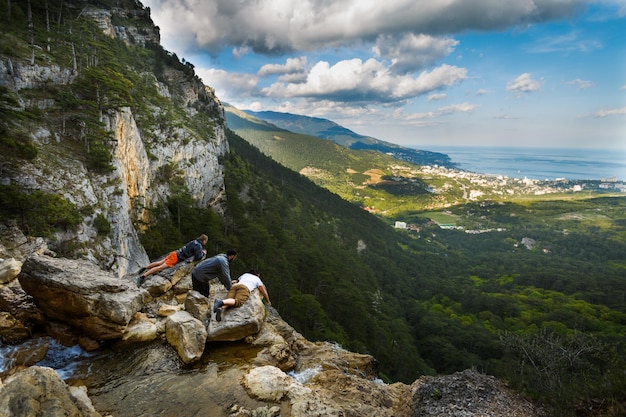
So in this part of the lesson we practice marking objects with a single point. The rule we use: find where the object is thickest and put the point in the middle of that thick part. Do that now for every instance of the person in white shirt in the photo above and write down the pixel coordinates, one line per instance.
(240, 292)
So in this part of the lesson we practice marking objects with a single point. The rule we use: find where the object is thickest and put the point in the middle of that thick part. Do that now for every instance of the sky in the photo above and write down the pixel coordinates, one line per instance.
(418, 73)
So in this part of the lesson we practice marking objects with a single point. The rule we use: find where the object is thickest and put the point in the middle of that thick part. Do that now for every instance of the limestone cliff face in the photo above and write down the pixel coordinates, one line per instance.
(140, 153)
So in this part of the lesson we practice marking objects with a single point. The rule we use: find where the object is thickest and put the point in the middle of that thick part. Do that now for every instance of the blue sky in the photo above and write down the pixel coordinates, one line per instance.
(523, 73)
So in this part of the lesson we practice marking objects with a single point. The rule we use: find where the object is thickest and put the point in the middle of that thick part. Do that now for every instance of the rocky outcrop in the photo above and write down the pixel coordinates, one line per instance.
(124, 196)
(76, 292)
(238, 323)
(287, 373)
(38, 391)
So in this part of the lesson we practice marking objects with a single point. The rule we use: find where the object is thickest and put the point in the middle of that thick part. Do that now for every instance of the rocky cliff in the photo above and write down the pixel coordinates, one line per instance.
(152, 147)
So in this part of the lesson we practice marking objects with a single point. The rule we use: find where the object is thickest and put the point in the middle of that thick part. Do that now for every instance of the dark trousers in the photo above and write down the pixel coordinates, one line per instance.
(200, 286)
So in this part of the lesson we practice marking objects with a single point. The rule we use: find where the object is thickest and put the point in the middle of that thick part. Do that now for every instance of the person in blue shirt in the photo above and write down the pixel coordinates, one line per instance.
(192, 249)
(217, 266)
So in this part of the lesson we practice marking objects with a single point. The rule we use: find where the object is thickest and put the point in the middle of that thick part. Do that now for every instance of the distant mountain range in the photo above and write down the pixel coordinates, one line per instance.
(327, 129)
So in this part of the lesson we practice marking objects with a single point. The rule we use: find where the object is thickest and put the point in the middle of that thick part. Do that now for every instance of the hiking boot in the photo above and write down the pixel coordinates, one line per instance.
(217, 304)
(218, 314)
(140, 279)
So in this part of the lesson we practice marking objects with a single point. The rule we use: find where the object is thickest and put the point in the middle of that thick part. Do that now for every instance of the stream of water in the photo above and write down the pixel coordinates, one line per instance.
(150, 380)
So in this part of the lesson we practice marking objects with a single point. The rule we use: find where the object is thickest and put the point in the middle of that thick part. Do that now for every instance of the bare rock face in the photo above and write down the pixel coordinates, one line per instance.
(39, 391)
(79, 293)
(187, 335)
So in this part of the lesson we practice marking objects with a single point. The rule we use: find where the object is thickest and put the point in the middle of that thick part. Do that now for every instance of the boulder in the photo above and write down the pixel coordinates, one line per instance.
(9, 269)
(187, 335)
(198, 306)
(18, 313)
(13, 299)
(267, 383)
(81, 294)
(11, 329)
(140, 329)
(238, 322)
(40, 391)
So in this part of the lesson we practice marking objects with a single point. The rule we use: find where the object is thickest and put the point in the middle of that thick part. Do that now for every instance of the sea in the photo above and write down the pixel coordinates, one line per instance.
(538, 163)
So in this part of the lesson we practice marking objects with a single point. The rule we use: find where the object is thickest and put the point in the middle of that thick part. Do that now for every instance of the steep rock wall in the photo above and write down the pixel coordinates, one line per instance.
(125, 195)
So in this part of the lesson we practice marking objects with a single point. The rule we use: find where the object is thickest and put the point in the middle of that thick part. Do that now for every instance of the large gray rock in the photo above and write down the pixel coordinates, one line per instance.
(240, 322)
(39, 391)
(9, 269)
(187, 335)
(21, 314)
(79, 293)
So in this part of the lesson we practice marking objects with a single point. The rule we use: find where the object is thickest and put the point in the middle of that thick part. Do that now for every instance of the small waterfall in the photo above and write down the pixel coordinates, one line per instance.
(42, 351)
(305, 375)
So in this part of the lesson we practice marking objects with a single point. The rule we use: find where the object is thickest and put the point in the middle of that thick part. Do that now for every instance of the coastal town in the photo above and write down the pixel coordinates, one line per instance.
(476, 186)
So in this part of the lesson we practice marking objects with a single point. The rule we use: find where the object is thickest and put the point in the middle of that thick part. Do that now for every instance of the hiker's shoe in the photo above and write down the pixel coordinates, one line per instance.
(141, 270)
(217, 304)
(140, 279)
(218, 314)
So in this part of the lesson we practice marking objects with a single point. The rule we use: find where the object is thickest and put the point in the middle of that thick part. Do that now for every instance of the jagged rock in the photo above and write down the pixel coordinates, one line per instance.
(79, 293)
(82, 401)
(14, 244)
(168, 309)
(157, 285)
(16, 301)
(140, 329)
(39, 391)
(9, 270)
(187, 335)
(64, 333)
(237, 323)
(21, 315)
(198, 306)
(11, 329)
(162, 282)
(467, 393)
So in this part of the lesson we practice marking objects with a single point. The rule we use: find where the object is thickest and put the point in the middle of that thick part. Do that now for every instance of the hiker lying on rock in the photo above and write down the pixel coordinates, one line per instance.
(240, 292)
(193, 248)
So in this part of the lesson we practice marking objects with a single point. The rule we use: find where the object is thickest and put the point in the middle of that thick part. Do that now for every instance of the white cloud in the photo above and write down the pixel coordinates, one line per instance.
(569, 42)
(483, 91)
(413, 52)
(523, 84)
(293, 65)
(610, 112)
(582, 84)
(442, 111)
(276, 26)
(229, 86)
(437, 97)
(366, 81)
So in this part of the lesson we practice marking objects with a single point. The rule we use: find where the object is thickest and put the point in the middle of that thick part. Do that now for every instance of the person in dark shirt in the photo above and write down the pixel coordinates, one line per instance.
(217, 266)
(192, 249)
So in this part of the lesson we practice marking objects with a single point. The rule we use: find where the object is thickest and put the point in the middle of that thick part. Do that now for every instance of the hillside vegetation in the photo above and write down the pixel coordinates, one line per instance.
(544, 287)
(527, 286)
(535, 295)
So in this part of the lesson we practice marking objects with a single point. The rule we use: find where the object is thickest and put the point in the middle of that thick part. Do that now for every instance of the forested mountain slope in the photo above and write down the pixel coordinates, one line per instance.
(327, 129)
(108, 140)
